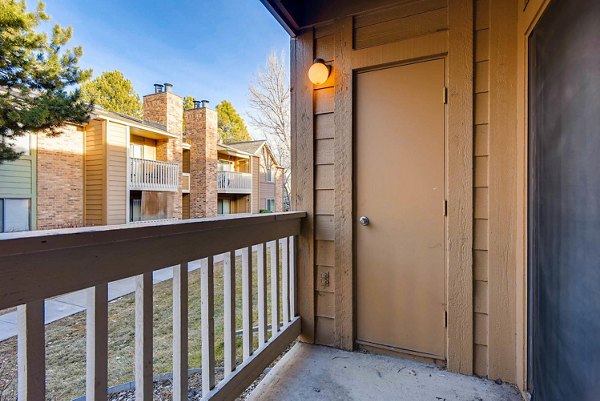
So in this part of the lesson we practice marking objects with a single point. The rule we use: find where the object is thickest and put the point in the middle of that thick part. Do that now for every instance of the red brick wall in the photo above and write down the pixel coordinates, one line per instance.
(60, 177)
(201, 129)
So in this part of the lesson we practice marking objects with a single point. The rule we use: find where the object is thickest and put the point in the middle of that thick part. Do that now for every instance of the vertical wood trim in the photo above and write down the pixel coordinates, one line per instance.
(502, 189)
(459, 151)
(229, 312)
(31, 352)
(344, 202)
(143, 337)
(285, 280)
(261, 261)
(207, 311)
(527, 21)
(97, 342)
(247, 342)
(180, 332)
(292, 252)
(275, 307)
(302, 136)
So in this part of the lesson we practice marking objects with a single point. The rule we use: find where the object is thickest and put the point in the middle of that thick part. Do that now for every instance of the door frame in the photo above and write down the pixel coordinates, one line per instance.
(532, 11)
(382, 348)
(456, 45)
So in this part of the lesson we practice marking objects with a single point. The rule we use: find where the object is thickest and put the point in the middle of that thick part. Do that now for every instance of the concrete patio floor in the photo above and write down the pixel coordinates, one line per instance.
(310, 372)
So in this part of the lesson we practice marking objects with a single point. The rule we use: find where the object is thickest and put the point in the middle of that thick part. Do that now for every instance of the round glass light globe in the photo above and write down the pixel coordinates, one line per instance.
(318, 73)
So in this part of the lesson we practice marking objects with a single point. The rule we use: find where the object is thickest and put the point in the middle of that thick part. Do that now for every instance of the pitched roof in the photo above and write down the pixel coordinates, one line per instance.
(248, 146)
(254, 147)
(150, 124)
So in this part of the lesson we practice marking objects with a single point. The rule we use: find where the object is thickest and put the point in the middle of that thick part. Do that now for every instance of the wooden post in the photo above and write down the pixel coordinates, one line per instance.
(247, 301)
(303, 179)
(229, 312)
(207, 302)
(292, 252)
(180, 332)
(143, 337)
(285, 281)
(31, 352)
(274, 288)
(261, 261)
(97, 342)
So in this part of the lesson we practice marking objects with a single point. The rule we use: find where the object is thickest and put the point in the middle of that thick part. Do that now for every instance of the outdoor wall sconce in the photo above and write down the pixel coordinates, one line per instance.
(318, 72)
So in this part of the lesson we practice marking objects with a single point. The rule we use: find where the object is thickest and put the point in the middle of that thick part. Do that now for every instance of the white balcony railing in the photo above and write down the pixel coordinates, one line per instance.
(153, 175)
(38, 265)
(231, 182)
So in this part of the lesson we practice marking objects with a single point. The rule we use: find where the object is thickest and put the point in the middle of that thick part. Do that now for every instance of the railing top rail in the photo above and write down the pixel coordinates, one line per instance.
(137, 159)
(234, 172)
(41, 264)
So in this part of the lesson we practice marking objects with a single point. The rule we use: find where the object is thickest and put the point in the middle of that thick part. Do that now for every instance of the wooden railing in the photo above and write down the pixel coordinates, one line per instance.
(234, 182)
(153, 175)
(42, 264)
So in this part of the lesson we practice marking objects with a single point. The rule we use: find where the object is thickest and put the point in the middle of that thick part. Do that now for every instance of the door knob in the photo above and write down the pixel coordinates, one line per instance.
(364, 221)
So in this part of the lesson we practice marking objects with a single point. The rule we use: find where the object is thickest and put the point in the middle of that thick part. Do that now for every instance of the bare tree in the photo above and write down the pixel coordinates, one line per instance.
(269, 94)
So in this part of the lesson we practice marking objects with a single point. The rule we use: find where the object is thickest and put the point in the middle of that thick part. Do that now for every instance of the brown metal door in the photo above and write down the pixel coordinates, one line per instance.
(400, 188)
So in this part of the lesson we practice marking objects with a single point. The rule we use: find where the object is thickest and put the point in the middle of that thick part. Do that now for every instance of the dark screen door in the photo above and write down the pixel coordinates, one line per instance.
(564, 203)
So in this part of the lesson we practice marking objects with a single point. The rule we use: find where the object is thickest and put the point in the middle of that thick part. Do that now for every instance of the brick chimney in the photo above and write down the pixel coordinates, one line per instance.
(201, 130)
(165, 107)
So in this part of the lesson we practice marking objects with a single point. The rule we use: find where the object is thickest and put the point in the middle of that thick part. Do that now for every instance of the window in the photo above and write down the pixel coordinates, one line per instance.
(15, 215)
(271, 205)
(135, 206)
(225, 165)
(270, 174)
(223, 206)
(136, 150)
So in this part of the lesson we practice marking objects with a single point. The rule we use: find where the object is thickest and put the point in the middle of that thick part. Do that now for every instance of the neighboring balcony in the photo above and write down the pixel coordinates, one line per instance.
(230, 182)
(153, 175)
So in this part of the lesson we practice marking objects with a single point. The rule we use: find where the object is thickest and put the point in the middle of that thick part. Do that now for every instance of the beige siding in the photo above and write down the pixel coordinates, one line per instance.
(324, 192)
(480, 179)
(95, 184)
(401, 22)
(322, 141)
(255, 197)
(116, 173)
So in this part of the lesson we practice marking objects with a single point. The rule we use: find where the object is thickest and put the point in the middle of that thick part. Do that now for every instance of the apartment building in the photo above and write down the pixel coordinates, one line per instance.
(117, 169)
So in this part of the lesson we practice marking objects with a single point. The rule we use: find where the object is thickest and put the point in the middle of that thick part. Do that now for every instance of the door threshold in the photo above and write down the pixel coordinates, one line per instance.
(401, 352)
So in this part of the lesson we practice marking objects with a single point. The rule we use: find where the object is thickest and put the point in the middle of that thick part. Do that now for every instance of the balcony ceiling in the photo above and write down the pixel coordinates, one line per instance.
(296, 15)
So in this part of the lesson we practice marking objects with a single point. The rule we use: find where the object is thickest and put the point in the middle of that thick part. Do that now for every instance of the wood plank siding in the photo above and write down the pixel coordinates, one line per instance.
(481, 149)
(95, 174)
(480, 187)
(116, 173)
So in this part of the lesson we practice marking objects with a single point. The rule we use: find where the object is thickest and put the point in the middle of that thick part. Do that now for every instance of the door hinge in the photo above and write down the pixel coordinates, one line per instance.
(445, 318)
(445, 208)
(445, 95)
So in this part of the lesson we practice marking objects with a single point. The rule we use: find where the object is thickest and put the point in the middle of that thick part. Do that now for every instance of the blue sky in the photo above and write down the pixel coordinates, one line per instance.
(209, 49)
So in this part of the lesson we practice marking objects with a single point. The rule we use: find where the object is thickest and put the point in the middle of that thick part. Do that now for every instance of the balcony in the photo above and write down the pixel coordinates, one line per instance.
(153, 175)
(230, 182)
(89, 258)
